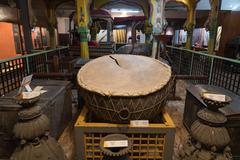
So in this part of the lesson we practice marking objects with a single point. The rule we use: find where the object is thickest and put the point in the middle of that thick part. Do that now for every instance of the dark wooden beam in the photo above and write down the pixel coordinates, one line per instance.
(24, 16)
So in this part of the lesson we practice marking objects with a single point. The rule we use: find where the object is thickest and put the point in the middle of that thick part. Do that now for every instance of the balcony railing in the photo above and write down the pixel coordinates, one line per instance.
(220, 71)
(13, 70)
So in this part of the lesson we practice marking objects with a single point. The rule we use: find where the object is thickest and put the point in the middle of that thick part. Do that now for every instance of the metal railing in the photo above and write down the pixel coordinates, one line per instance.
(13, 70)
(220, 71)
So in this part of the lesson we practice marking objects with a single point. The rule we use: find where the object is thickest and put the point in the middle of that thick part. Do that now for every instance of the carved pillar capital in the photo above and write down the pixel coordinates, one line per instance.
(159, 19)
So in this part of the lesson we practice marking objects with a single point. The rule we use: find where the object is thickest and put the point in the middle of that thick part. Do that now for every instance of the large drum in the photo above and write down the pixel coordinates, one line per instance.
(120, 88)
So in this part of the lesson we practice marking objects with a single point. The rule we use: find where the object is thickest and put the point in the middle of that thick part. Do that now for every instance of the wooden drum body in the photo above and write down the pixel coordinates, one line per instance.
(120, 88)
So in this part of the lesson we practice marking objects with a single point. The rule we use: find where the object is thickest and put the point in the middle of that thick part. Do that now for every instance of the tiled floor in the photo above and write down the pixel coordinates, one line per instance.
(67, 138)
(174, 108)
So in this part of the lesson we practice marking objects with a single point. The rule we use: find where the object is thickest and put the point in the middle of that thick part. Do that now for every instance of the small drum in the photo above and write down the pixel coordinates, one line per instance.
(120, 88)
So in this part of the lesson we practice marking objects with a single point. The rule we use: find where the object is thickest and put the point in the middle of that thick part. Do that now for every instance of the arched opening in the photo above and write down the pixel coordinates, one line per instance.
(122, 29)
(65, 18)
(129, 19)
(101, 27)
(176, 16)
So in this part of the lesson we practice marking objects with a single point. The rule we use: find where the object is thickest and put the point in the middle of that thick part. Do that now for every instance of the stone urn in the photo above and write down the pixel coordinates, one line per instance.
(209, 137)
(32, 130)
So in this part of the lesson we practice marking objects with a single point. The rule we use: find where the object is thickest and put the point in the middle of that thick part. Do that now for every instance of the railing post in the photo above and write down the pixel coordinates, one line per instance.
(180, 59)
(211, 69)
(46, 64)
(59, 52)
(28, 68)
(191, 64)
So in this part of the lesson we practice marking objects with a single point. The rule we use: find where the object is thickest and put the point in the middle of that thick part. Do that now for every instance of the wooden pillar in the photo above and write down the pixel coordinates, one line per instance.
(82, 16)
(56, 65)
(52, 24)
(24, 15)
(189, 27)
(21, 39)
(212, 24)
(109, 30)
(94, 30)
(52, 36)
(41, 36)
(70, 28)
(158, 17)
(148, 32)
(159, 22)
(133, 32)
(190, 23)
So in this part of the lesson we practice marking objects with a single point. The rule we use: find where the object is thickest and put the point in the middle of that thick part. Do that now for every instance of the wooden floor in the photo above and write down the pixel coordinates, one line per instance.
(174, 108)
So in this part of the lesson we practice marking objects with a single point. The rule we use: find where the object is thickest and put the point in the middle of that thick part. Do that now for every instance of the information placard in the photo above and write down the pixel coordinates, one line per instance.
(25, 85)
(215, 97)
(113, 144)
(139, 123)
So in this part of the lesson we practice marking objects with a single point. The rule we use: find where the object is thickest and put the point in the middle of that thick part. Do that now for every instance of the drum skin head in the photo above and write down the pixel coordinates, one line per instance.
(124, 75)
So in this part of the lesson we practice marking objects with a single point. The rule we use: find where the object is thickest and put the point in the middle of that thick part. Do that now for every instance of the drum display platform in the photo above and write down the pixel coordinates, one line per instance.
(155, 141)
